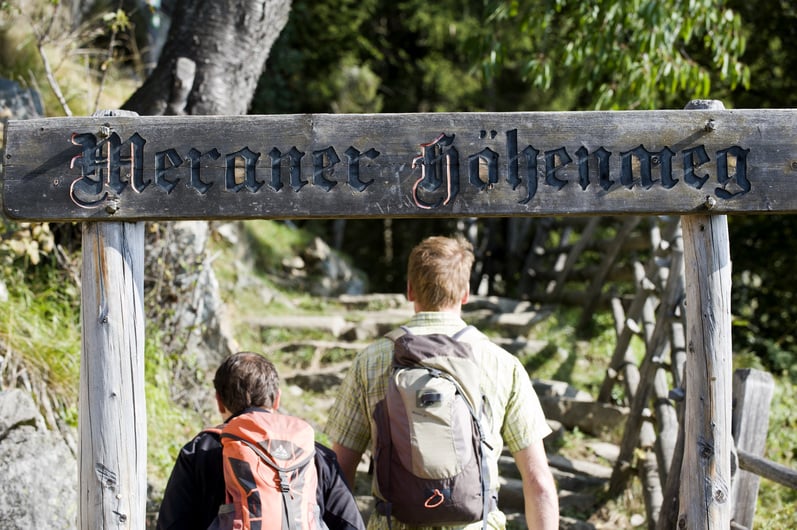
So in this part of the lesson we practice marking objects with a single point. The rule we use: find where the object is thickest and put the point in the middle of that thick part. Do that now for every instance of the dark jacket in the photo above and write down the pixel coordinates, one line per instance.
(195, 489)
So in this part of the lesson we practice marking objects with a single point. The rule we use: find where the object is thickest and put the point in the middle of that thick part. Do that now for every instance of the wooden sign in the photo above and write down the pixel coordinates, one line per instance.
(401, 165)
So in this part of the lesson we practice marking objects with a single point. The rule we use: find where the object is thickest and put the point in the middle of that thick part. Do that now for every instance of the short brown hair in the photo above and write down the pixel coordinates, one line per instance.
(439, 270)
(246, 379)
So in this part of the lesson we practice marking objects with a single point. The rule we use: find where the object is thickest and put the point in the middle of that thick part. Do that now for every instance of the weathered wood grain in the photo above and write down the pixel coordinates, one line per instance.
(752, 396)
(768, 469)
(112, 419)
(388, 165)
(705, 496)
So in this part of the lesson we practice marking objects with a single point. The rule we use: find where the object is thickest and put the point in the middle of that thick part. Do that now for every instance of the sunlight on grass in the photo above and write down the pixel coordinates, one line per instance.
(168, 426)
(42, 326)
(582, 363)
(273, 241)
(777, 505)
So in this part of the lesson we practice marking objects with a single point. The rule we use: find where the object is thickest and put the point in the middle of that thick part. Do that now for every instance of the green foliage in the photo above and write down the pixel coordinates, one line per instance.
(24, 245)
(768, 28)
(566, 358)
(763, 294)
(419, 55)
(356, 87)
(272, 241)
(40, 323)
(507, 55)
(41, 326)
(620, 55)
(168, 426)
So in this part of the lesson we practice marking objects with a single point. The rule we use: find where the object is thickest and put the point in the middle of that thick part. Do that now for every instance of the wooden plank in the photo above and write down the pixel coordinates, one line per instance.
(112, 419)
(401, 165)
(752, 396)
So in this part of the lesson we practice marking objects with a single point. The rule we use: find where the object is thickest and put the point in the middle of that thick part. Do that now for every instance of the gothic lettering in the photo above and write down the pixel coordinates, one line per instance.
(101, 165)
(323, 162)
(602, 156)
(161, 178)
(555, 160)
(196, 180)
(88, 190)
(294, 157)
(513, 169)
(490, 159)
(110, 166)
(693, 158)
(644, 161)
(439, 162)
(239, 171)
(737, 157)
(137, 163)
(354, 167)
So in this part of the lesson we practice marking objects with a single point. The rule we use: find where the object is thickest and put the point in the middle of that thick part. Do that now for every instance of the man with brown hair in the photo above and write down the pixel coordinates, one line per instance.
(438, 285)
(244, 381)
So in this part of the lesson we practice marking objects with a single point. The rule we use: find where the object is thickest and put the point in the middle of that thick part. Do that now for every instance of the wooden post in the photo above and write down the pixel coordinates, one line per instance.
(704, 501)
(752, 395)
(112, 420)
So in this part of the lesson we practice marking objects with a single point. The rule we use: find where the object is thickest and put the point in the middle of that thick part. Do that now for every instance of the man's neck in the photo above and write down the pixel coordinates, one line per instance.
(454, 310)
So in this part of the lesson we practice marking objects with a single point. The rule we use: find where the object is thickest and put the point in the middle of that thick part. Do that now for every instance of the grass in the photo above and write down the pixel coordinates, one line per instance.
(777, 505)
(40, 328)
(168, 426)
(568, 358)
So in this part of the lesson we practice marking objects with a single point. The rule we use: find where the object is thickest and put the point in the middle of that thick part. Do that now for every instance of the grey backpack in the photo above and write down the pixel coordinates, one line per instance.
(429, 458)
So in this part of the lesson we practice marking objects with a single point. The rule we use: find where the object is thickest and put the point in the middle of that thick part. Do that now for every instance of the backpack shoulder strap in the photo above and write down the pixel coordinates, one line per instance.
(398, 333)
(469, 335)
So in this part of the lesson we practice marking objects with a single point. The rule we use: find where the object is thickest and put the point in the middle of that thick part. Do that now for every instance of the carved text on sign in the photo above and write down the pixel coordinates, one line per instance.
(111, 167)
(101, 164)
(440, 167)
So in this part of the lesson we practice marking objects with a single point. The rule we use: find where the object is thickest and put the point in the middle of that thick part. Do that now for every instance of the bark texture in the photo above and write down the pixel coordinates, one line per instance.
(228, 42)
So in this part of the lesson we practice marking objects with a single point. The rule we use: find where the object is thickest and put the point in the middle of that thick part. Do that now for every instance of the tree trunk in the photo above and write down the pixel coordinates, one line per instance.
(228, 42)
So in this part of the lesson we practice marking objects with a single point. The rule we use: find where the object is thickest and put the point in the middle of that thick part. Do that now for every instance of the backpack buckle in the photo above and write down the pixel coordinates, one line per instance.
(427, 398)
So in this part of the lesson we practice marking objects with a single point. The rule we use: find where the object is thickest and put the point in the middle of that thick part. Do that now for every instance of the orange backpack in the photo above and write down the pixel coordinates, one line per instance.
(269, 473)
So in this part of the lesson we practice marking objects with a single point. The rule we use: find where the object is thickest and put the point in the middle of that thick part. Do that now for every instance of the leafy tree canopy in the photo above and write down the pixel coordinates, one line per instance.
(506, 55)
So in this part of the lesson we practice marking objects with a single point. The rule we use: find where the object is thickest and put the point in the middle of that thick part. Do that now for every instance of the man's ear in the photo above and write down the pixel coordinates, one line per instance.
(276, 404)
(466, 296)
(410, 293)
(222, 409)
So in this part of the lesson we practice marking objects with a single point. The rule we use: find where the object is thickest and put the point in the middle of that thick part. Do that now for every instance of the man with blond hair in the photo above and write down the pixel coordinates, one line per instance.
(438, 284)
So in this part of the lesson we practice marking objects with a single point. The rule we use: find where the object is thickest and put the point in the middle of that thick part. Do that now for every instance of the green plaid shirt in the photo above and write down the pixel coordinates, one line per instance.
(514, 415)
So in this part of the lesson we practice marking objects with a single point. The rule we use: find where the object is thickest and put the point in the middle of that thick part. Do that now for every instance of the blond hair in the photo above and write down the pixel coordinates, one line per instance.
(438, 271)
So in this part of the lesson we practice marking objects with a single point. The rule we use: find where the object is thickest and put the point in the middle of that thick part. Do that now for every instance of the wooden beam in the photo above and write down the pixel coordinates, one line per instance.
(401, 165)
(783, 475)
